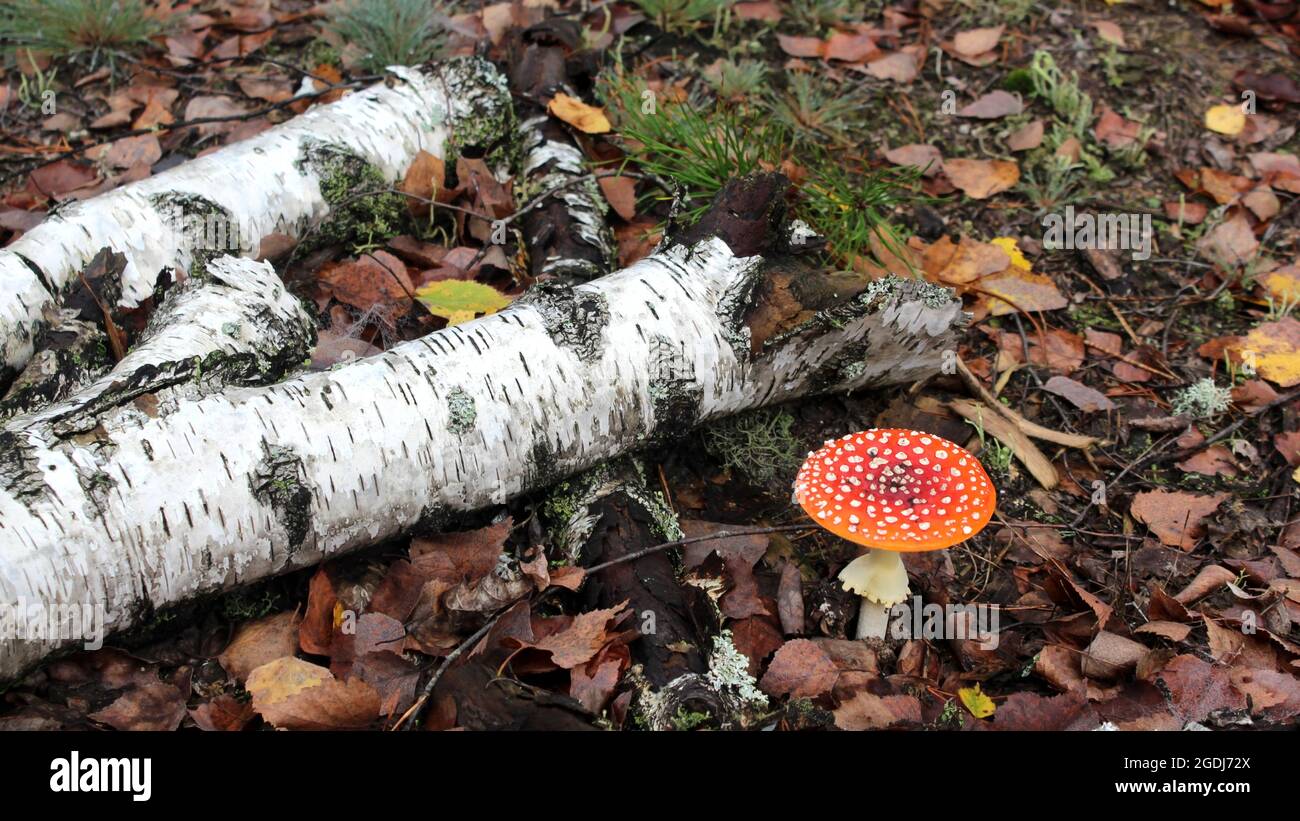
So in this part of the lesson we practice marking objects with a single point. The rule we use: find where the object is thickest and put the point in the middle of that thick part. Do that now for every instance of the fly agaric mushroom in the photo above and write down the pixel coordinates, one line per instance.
(893, 491)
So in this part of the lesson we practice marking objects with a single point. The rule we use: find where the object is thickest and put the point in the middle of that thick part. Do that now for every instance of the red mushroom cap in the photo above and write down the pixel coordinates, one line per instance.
(896, 489)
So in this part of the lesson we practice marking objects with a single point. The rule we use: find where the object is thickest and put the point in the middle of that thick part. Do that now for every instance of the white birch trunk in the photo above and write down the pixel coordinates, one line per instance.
(238, 325)
(266, 184)
(139, 507)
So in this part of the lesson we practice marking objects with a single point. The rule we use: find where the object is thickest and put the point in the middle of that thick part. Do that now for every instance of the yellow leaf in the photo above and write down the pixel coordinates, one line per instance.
(1296, 475)
(1275, 347)
(578, 114)
(457, 300)
(979, 705)
(1283, 285)
(1225, 119)
(1012, 249)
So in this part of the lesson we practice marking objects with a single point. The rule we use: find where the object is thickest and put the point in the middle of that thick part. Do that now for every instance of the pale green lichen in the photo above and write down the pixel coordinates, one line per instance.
(1202, 400)
(461, 412)
(362, 206)
(759, 444)
(729, 668)
(487, 122)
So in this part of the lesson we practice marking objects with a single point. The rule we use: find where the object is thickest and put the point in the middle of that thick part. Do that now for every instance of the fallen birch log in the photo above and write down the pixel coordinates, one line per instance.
(286, 180)
(144, 504)
(566, 228)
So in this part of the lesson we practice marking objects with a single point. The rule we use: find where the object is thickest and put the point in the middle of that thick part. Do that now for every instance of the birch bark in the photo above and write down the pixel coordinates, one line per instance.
(143, 504)
(276, 182)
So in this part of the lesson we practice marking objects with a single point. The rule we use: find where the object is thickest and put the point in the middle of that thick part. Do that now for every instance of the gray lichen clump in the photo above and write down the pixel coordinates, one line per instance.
(1202, 400)
(461, 412)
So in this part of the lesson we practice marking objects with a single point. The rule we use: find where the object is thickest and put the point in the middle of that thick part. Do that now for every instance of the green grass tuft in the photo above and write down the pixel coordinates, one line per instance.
(388, 32)
(67, 29)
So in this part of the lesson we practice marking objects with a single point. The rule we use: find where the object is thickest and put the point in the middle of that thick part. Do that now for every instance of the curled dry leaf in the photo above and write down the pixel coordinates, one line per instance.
(155, 706)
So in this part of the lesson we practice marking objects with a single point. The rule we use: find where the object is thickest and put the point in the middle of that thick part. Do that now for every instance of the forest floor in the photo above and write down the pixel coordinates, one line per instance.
(1144, 561)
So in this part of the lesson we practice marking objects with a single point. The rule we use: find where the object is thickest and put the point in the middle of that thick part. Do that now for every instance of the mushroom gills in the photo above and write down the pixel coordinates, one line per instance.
(878, 576)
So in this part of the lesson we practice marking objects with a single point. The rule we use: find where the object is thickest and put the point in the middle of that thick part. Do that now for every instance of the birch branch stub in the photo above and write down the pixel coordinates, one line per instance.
(130, 508)
(280, 181)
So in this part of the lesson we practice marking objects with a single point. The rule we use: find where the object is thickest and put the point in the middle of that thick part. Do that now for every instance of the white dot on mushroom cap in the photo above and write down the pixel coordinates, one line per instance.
(924, 525)
(965, 529)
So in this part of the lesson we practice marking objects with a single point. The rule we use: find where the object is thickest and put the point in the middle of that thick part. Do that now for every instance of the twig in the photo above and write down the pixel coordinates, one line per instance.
(411, 716)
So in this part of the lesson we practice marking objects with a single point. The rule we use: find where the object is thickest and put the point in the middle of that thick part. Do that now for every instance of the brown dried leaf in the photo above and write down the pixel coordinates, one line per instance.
(1175, 517)
(259, 642)
(293, 694)
(981, 179)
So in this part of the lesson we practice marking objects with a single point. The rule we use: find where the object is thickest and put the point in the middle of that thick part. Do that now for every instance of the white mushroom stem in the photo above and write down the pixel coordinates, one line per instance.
(878, 576)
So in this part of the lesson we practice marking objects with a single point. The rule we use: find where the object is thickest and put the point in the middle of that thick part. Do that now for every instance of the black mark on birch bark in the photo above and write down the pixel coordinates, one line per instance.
(277, 481)
(574, 318)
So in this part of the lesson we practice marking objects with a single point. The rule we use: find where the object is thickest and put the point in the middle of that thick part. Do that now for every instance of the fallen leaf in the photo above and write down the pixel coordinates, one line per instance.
(801, 46)
(1109, 32)
(901, 67)
(621, 193)
(293, 694)
(1028, 136)
(977, 41)
(225, 713)
(867, 711)
(993, 105)
(460, 300)
(1017, 290)
(1211, 578)
(424, 178)
(920, 155)
(1110, 655)
(1175, 517)
(586, 118)
(258, 642)
(850, 48)
(1114, 130)
(583, 638)
(1086, 399)
(1230, 243)
(1276, 348)
(156, 706)
(981, 179)
(1213, 461)
(1197, 688)
(1226, 119)
(800, 669)
(976, 702)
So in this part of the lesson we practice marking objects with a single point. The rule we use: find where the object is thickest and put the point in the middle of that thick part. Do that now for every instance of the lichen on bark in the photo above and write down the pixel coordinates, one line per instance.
(362, 207)
(277, 482)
